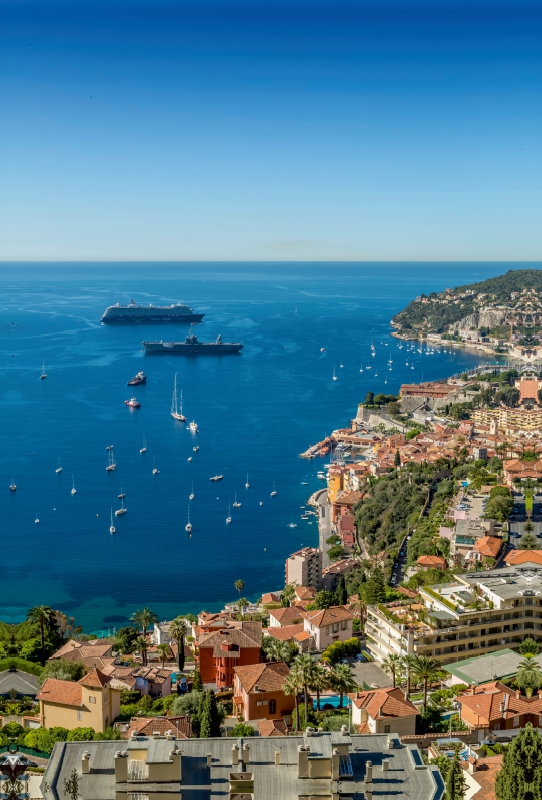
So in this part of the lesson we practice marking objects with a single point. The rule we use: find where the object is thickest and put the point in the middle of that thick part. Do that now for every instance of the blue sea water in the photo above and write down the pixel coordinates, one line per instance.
(256, 413)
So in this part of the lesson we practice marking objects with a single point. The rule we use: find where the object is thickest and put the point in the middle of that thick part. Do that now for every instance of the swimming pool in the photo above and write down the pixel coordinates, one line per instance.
(332, 700)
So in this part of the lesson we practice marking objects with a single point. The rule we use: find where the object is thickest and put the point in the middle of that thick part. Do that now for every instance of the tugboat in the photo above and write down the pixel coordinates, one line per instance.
(132, 403)
(137, 379)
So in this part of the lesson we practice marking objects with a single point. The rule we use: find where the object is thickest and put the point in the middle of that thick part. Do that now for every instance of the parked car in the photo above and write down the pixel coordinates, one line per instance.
(360, 658)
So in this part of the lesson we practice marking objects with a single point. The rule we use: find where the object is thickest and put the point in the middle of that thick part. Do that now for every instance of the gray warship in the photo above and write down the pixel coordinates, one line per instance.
(191, 346)
(133, 312)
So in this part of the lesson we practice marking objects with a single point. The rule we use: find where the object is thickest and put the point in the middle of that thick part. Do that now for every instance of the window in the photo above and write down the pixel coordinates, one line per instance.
(386, 728)
(327, 630)
(79, 716)
(344, 625)
(516, 722)
(91, 699)
(335, 627)
(272, 706)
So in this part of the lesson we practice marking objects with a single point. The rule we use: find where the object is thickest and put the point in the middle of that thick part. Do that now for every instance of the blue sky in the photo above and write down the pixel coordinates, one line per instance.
(270, 130)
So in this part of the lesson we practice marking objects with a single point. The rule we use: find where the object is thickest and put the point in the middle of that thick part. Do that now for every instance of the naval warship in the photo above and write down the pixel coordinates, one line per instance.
(134, 312)
(191, 346)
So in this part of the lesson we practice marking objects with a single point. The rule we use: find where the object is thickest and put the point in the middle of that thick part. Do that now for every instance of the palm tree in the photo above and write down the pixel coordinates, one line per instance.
(141, 645)
(391, 665)
(425, 670)
(304, 668)
(292, 686)
(241, 605)
(320, 682)
(408, 666)
(278, 650)
(144, 618)
(178, 630)
(239, 585)
(163, 651)
(45, 617)
(343, 681)
(529, 675)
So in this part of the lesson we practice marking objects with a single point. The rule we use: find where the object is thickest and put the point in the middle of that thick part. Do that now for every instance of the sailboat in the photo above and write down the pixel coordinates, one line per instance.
(155, 471)
(111, 467)
(236, 504)
(196, 446)
(188, 526)
(273, 493)
(12, 487)
(247, 484)
(175, 412)
(36, 520)
(341, 365)
(334, 375)
(120, 511)
(74, 490)
(112, 528)
(228, 518)
(361, 367)
(192, 495)
(43, 373)
(368, 366)
(59, 468)
(144, 448)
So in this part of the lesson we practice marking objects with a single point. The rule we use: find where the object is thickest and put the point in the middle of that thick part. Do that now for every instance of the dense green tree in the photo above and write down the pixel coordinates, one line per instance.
(520, 777)
(375, 588)
(397, 459)
(125, 639)
(63, 670)
(197, 684)
(81, 735)
(342, 596)
(242, 729)
(278, 650)
(529, 647)
(45, 617)
(369, 399)
(209, 718)
(456, 785)
(528, 542)
(323, 599)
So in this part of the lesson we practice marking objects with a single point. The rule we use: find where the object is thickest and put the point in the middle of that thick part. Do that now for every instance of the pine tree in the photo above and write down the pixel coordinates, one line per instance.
(456, 784)
(342, 595)
(520, 777)
(197, 684)
(397, 461)
(213, 713)
(375, 589)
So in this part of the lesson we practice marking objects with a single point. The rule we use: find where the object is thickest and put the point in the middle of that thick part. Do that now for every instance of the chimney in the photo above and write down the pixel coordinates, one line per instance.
(518, 694)
(246, 754)
(344, 730)
(277, 757)
(170, 735)
(369, 772)
(471, 767)
(156, 734)
(85, 763)
(209, 759)
(368, 794)
(121, 767)
(391, 742)
(234, 755)
(385, 764)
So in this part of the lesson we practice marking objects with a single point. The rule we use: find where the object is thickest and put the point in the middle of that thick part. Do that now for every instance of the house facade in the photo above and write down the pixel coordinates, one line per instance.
(235, 645)
(89, 703)
(328, 626)
(258, 692)
(384, 711)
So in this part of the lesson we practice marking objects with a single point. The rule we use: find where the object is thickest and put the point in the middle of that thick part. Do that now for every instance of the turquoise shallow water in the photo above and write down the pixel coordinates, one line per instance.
(256, 412)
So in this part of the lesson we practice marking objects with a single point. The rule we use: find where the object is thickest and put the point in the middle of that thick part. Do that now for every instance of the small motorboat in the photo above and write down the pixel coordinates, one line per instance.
(132, 403)
(188, 526)
(42, 378)
(144, 448)
(304, 483)
(137, 379)
(292, 525)
(112, 528)
(216, 478)
(196, 448)
(274, 492)
(155, 471)
(228, 518)
(322, 349)
(12, 487)
(193, 427)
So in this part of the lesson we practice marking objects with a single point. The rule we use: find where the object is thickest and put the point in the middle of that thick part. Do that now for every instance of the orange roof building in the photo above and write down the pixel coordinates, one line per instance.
(384, 711)
(91, 702)
(517, 557)
(431, 562)
(258, 692)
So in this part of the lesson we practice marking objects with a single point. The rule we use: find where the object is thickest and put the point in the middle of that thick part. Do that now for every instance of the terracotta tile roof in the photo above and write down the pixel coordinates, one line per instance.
(272, 727)
(432, 561)
(486, 772)
(327, 616)
(523, 556)
(488, 546)
(305, 592)
(495, 701)
(286, 632)
(384, 703)
(286, 615)
(270, 597)
(66, 693)
(238, 634)
(145, 726)
(94, 678)
(303, 636)
(155, 674)
(262, 677)
(100, 647)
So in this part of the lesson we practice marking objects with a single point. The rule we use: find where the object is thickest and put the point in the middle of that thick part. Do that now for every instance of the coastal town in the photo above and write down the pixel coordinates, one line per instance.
(401, 648)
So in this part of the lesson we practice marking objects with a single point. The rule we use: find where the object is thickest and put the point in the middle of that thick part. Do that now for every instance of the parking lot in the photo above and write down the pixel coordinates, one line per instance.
(369, 673)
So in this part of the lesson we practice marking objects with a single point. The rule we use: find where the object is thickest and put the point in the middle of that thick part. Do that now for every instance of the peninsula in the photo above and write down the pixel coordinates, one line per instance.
(501, 315)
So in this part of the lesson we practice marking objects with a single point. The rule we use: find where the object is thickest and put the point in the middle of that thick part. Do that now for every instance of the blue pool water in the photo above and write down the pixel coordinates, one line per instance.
(256, 412)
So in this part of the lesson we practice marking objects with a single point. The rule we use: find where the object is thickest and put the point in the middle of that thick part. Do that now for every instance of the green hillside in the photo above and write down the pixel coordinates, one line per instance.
(435, 316)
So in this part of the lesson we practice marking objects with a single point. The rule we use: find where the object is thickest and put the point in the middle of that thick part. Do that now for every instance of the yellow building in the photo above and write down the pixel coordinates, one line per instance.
(89, 703)
(335, 483)
(510, 420)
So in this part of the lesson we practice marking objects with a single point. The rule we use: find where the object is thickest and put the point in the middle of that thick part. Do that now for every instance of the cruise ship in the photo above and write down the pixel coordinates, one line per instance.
(133, 312)
(191, 346)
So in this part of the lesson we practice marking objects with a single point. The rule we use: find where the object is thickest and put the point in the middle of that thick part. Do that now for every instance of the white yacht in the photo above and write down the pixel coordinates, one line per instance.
(236, 504)
(193, 427)
(274, 492)
(334, 375)
(188, 526)
(144, 448)
(59, 468)
(176, 410)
